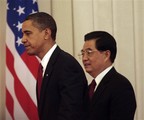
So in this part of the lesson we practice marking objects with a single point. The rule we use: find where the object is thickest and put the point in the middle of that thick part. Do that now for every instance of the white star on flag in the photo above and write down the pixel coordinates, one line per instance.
(19, 26)
(34, 1)
(19, 41)
(7, 6)
(21, 10)
(33, 11)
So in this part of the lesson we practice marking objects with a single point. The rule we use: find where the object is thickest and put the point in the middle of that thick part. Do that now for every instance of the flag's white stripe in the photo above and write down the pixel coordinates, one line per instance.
(18, 111)
(8, 116)
(24, 75)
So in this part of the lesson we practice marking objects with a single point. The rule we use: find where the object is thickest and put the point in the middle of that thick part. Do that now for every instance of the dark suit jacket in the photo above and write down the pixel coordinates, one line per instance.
(63, 89)
(114, 99)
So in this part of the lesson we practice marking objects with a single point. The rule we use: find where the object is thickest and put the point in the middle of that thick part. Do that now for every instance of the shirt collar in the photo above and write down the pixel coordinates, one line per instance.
(102, 74)
(47, 56)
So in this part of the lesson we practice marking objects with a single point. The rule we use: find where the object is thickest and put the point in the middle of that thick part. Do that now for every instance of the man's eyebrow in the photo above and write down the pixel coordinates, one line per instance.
(86, 49)
(26, 31)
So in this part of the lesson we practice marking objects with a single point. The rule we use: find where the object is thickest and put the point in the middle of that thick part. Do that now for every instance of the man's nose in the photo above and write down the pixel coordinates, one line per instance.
(23, 39)
(84, 56)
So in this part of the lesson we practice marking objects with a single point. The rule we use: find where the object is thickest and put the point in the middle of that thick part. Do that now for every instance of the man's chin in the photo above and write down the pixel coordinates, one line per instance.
(29, 53)
(88, 70)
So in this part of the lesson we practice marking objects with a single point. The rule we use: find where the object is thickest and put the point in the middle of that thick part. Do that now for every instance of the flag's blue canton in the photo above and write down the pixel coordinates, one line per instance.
(17, 11)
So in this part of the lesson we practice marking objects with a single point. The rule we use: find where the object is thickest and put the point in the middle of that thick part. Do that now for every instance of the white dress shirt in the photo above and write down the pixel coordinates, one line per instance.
(46, 58)
(101, 75)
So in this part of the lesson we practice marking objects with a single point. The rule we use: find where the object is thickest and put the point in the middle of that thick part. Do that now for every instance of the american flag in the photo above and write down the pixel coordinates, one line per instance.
(21, 69)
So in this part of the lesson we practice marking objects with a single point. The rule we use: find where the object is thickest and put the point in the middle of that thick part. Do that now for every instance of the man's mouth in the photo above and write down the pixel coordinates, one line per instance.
(86, 65)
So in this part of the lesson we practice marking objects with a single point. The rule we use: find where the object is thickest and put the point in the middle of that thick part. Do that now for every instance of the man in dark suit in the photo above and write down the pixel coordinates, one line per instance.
(112, 97)
(62, 93)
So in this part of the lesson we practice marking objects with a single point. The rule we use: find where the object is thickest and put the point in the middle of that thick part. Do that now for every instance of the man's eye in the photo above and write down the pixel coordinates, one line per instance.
(27, 34)
(89, 52)
(82, 53)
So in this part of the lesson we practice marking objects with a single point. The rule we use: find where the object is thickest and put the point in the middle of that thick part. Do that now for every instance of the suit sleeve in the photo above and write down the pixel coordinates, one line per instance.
(123, 103)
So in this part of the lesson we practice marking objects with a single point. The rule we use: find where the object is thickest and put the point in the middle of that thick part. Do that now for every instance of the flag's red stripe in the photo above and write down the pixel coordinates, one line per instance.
(31, 62)
(10, 104)
(21, 93)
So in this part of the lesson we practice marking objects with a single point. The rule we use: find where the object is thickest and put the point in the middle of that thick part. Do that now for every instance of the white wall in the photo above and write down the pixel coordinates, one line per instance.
(2, 57)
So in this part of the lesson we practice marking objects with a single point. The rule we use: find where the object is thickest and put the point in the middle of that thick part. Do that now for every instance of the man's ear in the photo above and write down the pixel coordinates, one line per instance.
(107, 54)
(47, 33)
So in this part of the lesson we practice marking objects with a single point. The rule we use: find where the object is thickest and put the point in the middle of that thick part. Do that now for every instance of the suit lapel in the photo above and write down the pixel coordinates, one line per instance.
(103, 84)
(49, 70)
